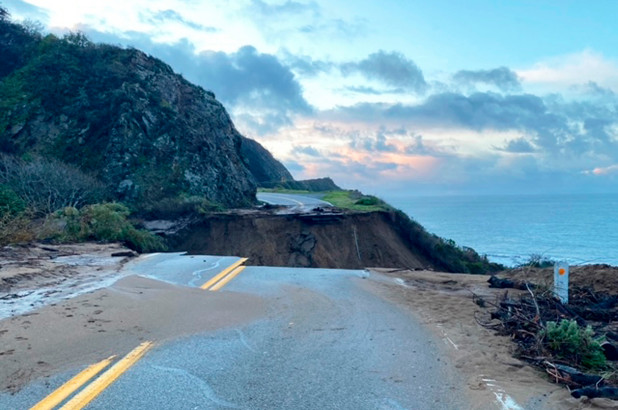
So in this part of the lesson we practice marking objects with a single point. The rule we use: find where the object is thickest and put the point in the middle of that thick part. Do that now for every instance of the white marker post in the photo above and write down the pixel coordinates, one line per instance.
(561, 281)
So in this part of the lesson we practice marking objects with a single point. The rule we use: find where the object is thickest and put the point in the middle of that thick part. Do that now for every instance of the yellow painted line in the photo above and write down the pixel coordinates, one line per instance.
(228, 278)
(223, 273)
(95, 388)
(64, 391)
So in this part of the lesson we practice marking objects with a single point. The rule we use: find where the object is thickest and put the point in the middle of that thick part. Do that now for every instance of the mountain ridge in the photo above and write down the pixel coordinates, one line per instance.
(126, 118)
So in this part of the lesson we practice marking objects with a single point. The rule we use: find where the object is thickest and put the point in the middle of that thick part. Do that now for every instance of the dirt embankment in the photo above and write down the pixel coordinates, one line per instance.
(349, 241)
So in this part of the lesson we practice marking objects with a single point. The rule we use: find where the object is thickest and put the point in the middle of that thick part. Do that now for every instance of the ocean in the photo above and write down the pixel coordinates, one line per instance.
(578, 229)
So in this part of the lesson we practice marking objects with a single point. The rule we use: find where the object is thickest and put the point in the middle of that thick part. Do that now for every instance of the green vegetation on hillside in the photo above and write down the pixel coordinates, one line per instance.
(66, 199)
(356, 201)
(107, 222)
(307, 185)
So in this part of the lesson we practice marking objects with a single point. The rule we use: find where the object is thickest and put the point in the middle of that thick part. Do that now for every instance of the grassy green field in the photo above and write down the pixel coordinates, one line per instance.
(353, 200)
(356, 201)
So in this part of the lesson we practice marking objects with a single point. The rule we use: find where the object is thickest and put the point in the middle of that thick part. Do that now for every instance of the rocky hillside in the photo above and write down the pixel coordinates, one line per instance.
(124, 117)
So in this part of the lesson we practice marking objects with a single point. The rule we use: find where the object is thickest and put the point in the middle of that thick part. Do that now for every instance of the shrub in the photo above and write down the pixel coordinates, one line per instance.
(369, 200)
(105, 222)
(575, 343)
(537, 261)
(10, 203)
(141, 241)
(46, 185)
(15, 229)
(178, 207)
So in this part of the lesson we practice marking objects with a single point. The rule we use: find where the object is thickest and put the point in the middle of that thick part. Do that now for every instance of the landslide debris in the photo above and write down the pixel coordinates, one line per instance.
(575, 343)
(325, 238)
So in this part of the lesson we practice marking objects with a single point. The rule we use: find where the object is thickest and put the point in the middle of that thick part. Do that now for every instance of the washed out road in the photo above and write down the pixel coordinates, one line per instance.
(299, 202)
(326, 340)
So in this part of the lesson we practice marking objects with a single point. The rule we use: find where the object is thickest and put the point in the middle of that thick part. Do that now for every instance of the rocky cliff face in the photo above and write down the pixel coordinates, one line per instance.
(124, 117)
(265, 169)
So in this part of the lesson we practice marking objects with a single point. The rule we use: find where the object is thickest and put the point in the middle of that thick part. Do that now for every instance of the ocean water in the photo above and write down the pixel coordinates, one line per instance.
(579, 229)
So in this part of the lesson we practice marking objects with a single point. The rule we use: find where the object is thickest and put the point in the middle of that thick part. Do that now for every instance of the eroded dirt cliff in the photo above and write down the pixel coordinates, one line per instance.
(353, 241)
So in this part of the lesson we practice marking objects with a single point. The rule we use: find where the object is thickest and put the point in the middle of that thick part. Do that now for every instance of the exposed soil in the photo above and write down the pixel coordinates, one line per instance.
(600, 278)
(329, 240)
(38, 265)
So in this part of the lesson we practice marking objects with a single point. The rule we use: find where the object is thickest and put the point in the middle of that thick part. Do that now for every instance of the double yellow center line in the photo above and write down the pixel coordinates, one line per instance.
(225, 276)
(90, 392)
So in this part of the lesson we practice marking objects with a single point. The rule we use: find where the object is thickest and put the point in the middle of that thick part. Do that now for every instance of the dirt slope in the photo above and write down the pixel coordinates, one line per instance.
(351, 241)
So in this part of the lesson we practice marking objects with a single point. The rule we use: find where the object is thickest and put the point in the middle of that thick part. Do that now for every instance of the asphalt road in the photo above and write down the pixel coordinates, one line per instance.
(301, 202)
(327, 342)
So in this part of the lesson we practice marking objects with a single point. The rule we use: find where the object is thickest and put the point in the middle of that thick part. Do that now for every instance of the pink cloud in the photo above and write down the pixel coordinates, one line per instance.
(612, 169)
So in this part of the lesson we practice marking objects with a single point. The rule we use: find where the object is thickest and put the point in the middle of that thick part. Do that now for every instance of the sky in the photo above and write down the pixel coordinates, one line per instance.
(393, 97)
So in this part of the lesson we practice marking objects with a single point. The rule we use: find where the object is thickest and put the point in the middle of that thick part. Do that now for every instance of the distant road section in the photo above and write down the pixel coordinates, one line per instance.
(296, 201)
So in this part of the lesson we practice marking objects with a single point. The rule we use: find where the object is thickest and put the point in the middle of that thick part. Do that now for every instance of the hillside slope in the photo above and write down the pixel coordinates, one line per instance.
(348, 240)
(124, 117)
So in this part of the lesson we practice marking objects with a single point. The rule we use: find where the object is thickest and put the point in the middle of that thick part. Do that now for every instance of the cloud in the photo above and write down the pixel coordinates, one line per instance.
(552, 125)
(578, 68)
(296, 18)
(393, 69)
(371, 90)
(306, 150)
(305, 65)
(420, 147)
(287, 9)
(255, 78)
(609, 170)
(503, 78)
(519, 146)
(23, 10)
(164, 16)
(593, 89)
(376, 143)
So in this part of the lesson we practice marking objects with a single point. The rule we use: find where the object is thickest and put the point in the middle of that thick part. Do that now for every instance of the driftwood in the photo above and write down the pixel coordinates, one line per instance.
(524, 317)
(572, 377)
(129, 254)
(591, 392)
(500, 283)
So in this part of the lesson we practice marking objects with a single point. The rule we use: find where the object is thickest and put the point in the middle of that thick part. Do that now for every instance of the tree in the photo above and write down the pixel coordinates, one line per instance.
(46, 185)
(4, 14)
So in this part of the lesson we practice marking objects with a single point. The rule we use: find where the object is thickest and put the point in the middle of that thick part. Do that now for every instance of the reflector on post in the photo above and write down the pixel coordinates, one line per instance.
(561, 281)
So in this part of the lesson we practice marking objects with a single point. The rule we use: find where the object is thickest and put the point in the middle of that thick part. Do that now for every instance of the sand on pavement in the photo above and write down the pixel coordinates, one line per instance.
(93, 326)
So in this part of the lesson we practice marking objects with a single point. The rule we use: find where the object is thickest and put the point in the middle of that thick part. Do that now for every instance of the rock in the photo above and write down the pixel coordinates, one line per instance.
(610, 350)
(592, 392)
(129, 254)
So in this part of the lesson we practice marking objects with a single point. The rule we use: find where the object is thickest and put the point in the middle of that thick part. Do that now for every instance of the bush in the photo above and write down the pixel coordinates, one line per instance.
(141, 241)
(369, 200)
(105, 222)
(46, 185)
(15, 229)
(537, 261)
(569, 341)
(178, 207)
(10, 203)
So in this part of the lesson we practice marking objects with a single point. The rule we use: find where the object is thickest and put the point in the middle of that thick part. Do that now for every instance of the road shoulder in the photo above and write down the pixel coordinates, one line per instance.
(443, 303)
